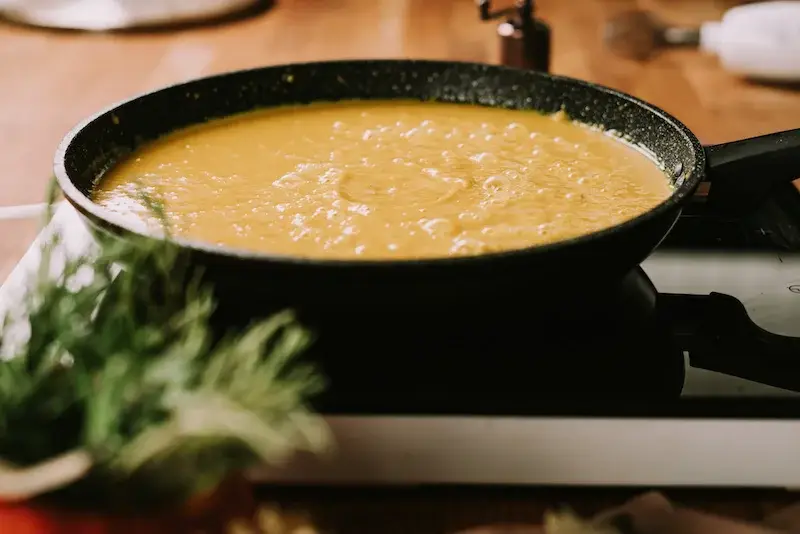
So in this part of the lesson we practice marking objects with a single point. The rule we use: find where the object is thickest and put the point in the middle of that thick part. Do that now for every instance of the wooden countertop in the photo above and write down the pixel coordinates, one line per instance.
(53, 79)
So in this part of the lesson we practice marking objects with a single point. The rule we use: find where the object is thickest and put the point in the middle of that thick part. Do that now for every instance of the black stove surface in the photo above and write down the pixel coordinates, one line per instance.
(587, 347)
(774, 227)
(618, 354)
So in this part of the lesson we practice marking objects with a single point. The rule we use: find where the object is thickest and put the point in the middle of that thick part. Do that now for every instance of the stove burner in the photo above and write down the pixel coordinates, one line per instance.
(504, 358)
(602, 350)
(620, 351)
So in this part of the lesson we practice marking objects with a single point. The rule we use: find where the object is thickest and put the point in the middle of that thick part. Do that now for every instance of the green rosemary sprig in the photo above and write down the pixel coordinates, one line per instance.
(121, 363)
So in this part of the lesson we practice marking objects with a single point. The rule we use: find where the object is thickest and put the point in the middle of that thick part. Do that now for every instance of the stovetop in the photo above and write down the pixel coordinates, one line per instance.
(704, 342)
(753, 265)
(709, 415)
(691, 402)
(775, 228)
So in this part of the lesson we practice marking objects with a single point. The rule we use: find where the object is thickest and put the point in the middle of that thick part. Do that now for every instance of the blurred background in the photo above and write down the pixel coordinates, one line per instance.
(54, 74)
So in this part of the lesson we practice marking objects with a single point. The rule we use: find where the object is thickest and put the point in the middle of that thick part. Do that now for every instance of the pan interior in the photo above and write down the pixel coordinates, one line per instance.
(111, 135)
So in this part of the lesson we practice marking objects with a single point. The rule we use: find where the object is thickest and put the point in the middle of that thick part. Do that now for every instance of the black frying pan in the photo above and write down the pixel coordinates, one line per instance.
(742, 173)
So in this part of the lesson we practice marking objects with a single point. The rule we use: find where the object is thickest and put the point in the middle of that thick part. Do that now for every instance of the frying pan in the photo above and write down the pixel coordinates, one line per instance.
(742, 173)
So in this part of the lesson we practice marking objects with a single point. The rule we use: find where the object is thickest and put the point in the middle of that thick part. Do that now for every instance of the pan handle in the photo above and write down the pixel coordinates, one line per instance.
(744, 173)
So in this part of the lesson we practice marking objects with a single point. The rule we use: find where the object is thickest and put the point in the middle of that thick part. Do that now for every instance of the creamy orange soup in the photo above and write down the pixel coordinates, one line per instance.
(387, 180)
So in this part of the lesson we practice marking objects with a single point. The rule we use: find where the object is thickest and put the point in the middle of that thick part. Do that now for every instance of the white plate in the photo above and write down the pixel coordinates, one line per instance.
(106, 15)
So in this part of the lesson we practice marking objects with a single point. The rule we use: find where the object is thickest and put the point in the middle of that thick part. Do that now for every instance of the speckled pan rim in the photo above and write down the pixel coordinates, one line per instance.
(83, 203)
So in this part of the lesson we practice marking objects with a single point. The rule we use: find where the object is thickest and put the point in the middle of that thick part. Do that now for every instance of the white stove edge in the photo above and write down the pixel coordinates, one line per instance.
(570, 451)
(545, 451)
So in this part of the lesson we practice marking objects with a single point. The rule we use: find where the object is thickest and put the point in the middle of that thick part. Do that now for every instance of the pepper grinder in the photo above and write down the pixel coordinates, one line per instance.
(639, 34)
(524, 39)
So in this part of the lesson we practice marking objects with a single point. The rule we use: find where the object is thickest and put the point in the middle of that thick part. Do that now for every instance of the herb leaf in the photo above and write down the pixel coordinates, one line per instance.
(121, 362)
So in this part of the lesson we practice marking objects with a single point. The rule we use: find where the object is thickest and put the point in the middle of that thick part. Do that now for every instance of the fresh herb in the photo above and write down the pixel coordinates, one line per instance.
(123, 377)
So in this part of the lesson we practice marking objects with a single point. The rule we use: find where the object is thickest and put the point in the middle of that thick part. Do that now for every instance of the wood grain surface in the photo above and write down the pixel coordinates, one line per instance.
(51, 80)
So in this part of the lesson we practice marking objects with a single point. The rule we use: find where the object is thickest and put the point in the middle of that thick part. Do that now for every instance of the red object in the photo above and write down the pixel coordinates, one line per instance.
(211, 513)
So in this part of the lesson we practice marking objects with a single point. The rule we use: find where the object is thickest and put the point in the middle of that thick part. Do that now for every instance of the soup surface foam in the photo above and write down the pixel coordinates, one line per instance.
(387, 180)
